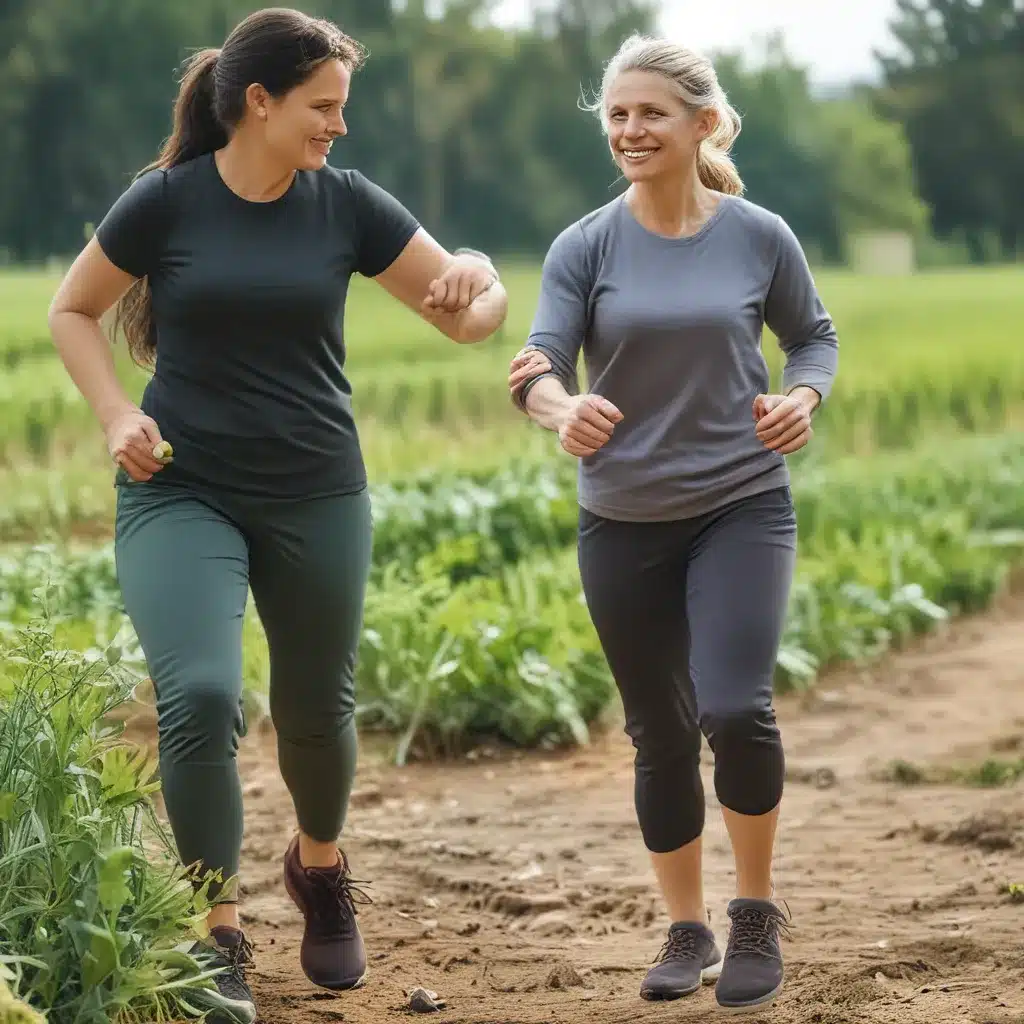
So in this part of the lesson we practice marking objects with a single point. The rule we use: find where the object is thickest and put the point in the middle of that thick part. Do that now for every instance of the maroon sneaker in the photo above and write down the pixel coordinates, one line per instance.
(333, 955)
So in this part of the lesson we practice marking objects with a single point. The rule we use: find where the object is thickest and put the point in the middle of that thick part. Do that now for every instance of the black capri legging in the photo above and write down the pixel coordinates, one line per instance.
(690, 614)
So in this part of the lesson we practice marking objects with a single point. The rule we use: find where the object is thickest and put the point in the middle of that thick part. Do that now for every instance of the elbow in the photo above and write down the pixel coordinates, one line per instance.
(56, 316)
(59, 314)
(483, 319)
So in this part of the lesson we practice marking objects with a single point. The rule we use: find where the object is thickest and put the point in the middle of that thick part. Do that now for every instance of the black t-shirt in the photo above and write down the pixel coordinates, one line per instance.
(248, 300)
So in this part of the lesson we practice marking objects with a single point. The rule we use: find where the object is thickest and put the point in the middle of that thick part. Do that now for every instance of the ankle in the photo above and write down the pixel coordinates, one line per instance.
(754, 888)
(313, 854)
(224, 915)
(689, 913)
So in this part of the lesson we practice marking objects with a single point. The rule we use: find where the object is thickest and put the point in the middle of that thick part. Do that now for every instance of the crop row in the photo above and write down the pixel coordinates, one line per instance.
(475, 622)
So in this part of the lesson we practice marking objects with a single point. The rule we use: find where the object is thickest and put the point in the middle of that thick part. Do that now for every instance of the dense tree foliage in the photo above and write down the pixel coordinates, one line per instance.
(479, 130)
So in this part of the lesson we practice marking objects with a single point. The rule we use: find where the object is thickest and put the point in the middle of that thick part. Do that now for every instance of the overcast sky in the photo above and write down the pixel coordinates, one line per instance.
(833, 38)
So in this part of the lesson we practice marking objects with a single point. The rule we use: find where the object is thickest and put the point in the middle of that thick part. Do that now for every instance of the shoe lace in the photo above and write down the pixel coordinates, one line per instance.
(757, 931)
(235, 958)
(680, 945)
(341, 893)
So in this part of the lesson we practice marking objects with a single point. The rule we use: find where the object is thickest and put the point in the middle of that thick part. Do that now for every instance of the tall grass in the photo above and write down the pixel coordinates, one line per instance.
(94, 919)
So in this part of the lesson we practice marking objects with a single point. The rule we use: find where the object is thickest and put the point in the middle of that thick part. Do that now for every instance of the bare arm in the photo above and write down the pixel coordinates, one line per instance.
(91, 286)
(547, 402)
(584, 423)
(460, 295)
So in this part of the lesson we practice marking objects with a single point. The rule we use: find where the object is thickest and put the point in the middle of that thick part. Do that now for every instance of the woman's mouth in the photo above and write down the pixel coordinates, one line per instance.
(322, 146)
(635, 156)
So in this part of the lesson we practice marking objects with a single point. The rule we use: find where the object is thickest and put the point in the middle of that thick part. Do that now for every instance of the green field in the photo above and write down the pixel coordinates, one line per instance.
(930, 354)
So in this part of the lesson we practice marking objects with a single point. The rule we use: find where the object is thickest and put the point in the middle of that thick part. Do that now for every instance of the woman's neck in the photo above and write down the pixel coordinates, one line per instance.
(672, 206)
(250, 171)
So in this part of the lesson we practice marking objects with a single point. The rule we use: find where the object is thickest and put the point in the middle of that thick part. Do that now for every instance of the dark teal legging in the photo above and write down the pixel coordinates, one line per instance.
(185, 565)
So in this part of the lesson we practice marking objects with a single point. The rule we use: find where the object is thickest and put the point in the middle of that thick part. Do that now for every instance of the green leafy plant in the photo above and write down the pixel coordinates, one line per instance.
(95, 920)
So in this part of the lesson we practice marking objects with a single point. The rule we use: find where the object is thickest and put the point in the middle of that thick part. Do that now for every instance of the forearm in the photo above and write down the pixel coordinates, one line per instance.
(547, 402)
(86, 354)
(812, 364)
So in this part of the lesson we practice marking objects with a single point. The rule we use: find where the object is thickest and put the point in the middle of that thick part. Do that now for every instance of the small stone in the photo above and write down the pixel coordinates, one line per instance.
(422, 1000)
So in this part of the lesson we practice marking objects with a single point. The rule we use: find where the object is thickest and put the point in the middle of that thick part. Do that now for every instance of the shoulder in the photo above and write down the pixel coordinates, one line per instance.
(598, 226)
(364, 200)
(586, 237)
(154, 190)
(755, 219)
(767, 230)
(345, 181)
(140, 203)
(190, 172)
(147, 188)
(343, 178)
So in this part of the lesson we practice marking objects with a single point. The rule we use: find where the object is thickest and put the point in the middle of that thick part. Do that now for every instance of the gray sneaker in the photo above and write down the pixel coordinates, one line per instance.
(752, 972)
(231, 1002)
(690, 958)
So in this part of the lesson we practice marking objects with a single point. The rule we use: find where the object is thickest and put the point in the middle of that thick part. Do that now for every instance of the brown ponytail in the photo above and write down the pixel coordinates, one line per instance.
(277, 47)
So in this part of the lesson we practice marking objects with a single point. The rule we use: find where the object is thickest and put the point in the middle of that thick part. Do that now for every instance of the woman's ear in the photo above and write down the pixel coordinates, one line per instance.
(257, 100)
(707, 122)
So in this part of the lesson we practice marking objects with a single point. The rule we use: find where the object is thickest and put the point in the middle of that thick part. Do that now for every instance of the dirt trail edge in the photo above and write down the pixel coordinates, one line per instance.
(517, 889)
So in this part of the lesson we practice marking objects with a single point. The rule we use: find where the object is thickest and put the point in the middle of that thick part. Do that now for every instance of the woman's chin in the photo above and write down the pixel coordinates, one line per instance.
(646, 170)
(313, 162)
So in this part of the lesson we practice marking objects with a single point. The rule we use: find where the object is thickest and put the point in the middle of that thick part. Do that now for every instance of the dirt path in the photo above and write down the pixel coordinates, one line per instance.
(519, 891)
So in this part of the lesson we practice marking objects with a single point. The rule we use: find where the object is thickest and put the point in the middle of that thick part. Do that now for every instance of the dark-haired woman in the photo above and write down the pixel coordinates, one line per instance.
(229, 259)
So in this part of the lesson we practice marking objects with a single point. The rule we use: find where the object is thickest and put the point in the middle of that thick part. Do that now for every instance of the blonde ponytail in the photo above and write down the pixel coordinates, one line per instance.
(715, 167)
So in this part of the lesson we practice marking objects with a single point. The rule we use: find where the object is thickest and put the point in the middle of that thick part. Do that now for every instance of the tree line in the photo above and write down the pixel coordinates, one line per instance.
(479, 131)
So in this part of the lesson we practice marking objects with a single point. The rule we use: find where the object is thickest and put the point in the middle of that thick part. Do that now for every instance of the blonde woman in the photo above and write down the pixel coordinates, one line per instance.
(687, 532)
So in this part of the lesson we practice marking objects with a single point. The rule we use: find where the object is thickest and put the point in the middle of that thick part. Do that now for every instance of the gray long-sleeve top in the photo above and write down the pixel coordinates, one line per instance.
(671, 335)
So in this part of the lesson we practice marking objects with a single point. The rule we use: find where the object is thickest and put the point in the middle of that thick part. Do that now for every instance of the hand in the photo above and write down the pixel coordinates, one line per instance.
(465, 278)
(588, 424)
(783, 422)
(132, 441)
(526, 364)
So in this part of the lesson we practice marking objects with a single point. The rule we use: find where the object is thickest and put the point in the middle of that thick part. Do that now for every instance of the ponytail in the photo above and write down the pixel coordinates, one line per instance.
(197, 130)
(715, 167)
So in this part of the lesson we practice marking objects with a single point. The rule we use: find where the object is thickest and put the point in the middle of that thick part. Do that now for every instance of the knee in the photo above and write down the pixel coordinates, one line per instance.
(664, 744)
(749, 759)
(200, 717)
(311, 722)
(669, 794)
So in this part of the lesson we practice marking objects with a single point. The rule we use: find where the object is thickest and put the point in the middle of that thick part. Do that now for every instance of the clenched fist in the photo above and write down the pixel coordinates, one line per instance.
(457, 288)
(783, 422)
(135, 444)
(587, 425)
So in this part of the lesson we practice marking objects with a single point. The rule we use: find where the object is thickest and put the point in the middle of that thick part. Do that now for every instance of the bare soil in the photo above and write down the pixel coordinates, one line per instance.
(518, 890)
